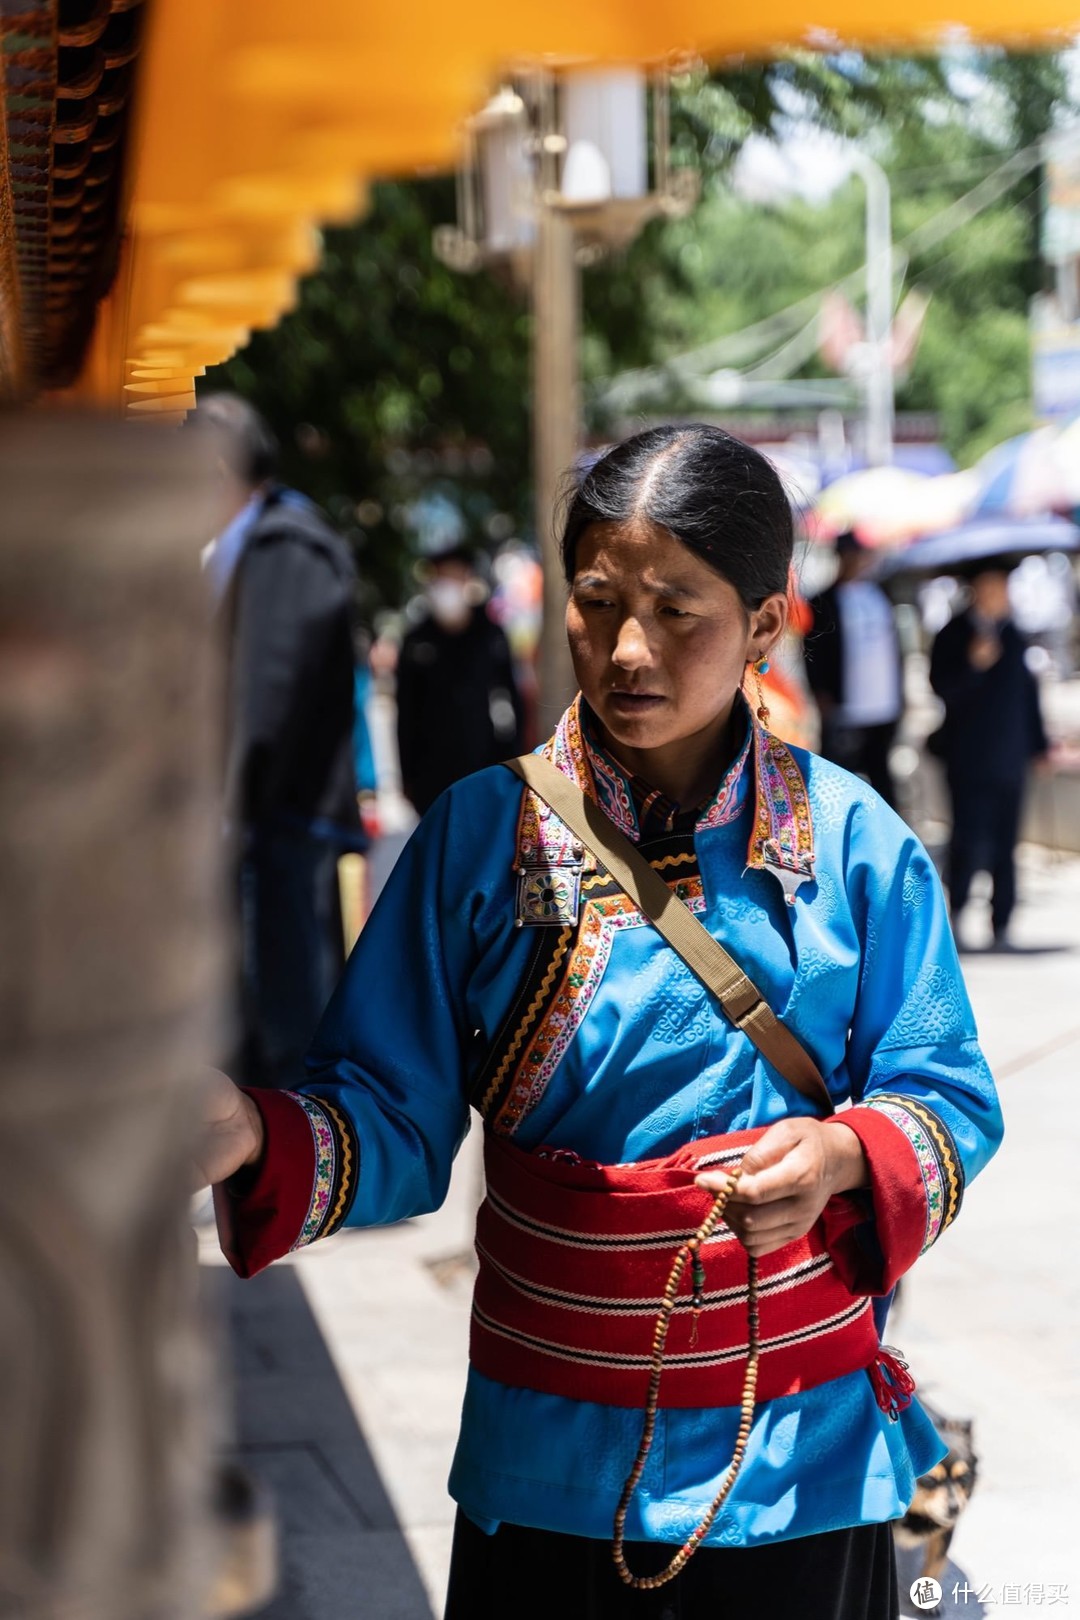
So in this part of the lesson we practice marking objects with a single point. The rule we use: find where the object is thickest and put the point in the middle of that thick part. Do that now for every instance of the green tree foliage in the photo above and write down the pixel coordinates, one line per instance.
(397, 379)
(939, 135)
(1030, 89)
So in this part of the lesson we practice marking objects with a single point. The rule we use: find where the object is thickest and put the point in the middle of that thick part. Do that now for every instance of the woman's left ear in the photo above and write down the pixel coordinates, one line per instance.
(767, 625)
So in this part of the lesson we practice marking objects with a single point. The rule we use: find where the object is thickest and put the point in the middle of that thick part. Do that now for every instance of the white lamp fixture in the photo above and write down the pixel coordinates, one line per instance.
(606, 113)
(500, 136)
(579, 142)
(586, 176)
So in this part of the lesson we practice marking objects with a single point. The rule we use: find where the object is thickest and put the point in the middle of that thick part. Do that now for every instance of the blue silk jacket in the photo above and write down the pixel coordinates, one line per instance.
(472, 980)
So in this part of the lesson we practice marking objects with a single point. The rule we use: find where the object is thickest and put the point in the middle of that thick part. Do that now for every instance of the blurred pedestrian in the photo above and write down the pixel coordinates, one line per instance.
(364, 768)
(281, 581)
(992, 733)
(854, 668)
(458, 705)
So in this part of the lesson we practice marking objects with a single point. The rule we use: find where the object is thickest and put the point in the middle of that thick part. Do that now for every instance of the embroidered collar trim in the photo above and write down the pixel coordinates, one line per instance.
(640, 810)
(782, 840)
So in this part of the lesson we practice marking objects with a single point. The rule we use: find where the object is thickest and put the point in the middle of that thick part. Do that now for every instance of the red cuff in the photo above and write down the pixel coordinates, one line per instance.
(261, 1223)
(900, 1207)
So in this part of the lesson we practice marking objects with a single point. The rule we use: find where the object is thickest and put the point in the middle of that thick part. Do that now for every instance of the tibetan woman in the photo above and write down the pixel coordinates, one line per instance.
(700, 988)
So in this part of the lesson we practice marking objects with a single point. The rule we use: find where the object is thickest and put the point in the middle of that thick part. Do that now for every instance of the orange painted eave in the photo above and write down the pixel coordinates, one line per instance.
(260, 120)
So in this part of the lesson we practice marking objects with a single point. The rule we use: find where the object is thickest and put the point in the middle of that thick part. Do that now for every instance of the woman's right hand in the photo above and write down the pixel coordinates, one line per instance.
(233, 1131)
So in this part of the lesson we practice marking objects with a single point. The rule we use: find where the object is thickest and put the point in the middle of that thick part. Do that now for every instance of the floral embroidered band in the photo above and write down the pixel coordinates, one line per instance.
(783, 838)
(939, 1162)
(336, 1166)
(564, 974)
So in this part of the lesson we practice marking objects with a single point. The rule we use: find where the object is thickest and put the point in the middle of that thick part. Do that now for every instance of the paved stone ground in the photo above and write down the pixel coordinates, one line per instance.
(991, 1319)
(349, 1361)
(348, 1369)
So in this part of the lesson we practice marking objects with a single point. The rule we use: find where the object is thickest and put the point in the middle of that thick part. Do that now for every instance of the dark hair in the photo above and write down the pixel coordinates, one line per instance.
(720, 497)
(250, 443)
(451, 554)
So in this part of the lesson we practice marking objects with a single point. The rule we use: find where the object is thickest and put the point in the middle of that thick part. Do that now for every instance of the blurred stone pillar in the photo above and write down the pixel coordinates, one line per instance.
(108, 974)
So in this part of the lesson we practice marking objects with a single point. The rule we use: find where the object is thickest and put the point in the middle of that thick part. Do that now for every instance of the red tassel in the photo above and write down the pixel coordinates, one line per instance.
(893, 1383)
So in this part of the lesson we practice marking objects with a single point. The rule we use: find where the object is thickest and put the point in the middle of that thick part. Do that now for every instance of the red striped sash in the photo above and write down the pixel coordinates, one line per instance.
(574, 1258)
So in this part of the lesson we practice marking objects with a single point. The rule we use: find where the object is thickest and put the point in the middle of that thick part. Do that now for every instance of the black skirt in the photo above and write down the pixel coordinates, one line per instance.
(520, 1574)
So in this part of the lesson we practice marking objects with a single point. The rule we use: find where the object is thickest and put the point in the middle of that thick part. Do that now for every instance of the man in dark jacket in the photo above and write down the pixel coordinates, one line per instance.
(282, 583)
(993, 731)
(854, 669)
(457, 700)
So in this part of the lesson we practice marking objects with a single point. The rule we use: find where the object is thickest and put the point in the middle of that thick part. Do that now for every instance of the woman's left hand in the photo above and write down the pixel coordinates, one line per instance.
(788, 1176)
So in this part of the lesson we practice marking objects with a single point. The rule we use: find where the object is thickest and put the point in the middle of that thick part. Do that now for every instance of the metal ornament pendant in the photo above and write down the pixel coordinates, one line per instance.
(788, 880)
(548, 896)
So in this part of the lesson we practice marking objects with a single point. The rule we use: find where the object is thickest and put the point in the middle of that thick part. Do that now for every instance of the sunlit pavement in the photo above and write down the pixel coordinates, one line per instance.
(351, 1359)
(991, 1318)
(349, 1373)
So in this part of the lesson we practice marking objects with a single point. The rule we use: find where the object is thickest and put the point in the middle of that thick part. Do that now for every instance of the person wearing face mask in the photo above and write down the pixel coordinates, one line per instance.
(993, 732)
(458, 704)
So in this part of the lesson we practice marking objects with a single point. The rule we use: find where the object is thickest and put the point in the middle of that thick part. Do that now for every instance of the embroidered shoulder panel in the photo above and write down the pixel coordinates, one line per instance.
(939, 1162)
(549, 953)
(783, 838)
(543, 840)
(337, 1162)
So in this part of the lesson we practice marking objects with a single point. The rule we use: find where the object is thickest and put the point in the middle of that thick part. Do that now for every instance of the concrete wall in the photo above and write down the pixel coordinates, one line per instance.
(1051, 811)
(1052, 815)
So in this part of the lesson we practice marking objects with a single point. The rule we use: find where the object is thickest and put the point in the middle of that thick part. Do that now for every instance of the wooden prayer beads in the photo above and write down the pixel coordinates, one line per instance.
(689, 1253)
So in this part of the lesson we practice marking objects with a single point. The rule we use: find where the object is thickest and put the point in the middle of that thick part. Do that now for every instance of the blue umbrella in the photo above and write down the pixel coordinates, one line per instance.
(1019, 478)
(1002, 539)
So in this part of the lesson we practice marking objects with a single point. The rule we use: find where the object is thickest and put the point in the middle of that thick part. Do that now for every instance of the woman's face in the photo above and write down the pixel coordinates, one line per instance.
(659, 640)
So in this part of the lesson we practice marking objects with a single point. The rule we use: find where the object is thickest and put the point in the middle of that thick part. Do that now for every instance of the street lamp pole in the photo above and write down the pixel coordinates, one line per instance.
(560, 168)
(878, 381)
(556, 337)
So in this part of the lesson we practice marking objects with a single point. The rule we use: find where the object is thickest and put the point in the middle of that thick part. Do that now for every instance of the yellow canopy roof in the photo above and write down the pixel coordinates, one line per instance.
(261, 119)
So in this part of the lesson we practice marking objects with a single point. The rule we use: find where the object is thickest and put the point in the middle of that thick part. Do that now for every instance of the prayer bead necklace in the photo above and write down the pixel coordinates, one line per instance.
(689, 1253)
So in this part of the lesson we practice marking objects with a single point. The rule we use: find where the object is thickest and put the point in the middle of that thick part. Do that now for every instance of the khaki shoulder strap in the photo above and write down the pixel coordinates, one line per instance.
(739, 997)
